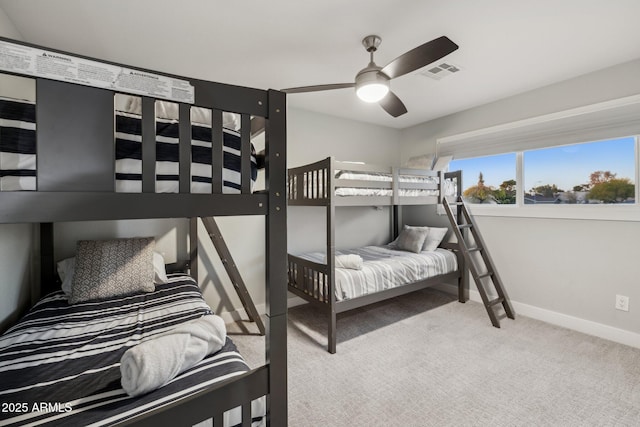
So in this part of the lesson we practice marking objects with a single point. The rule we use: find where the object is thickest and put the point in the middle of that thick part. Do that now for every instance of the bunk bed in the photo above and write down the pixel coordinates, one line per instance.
(70, 173)
(336, 281)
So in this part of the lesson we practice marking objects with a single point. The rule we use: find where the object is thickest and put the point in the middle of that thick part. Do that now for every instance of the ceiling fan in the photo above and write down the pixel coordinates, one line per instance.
(372, 82)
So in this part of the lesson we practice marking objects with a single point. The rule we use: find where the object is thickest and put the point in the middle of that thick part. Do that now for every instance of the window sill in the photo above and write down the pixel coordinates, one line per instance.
(589, 212)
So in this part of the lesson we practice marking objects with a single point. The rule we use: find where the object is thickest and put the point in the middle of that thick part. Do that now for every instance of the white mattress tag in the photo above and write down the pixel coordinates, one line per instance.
(38, 62)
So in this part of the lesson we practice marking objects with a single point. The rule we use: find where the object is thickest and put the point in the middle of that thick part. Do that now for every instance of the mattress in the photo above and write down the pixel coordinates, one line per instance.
(60, 364)
(18, 153)
(385, 268)
(384, 192)
(129, 156)
(383, 177)
(17, 145)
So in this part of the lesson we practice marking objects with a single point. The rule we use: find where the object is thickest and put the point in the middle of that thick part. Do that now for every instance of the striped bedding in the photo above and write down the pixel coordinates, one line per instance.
(17, 145)
(381, 177)
(449, 188)
(385, 192)
(18, 151)
(129, 156)
(384, 177)
(60, 363)
(385, 268)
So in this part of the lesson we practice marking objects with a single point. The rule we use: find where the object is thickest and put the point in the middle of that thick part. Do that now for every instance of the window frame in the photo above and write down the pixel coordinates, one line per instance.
(604, 120)
(605, 212)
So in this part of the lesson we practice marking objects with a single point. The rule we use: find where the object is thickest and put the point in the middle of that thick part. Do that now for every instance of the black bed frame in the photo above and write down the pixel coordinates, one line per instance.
(314, 185)
(76, 182)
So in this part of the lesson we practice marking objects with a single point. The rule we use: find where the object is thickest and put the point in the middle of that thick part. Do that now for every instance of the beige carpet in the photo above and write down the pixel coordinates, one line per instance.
(426, 360)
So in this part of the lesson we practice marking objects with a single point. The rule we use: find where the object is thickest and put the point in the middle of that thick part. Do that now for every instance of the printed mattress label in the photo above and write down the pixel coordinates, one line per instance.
(68, 68)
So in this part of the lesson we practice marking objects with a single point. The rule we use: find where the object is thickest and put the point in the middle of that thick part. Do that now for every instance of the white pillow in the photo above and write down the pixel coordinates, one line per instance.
(66, 269)
(411, 239)
(434, 238)
(405, 227)
(160, 274)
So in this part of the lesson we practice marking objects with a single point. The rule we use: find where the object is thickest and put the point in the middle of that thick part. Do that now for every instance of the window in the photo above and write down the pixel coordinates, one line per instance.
(596, 172)
(559, 171)
(593, 173)
(488, 179)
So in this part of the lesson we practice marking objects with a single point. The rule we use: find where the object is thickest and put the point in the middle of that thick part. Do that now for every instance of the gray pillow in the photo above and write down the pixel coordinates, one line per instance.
(109, 268)
(412, 239)
(434, 238)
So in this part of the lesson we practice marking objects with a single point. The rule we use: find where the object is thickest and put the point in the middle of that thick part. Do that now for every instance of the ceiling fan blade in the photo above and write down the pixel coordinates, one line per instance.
(419, 57)
(392, 105)
(317, 88)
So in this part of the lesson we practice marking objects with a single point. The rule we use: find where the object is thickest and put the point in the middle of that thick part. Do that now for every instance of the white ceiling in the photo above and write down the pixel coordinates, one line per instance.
(506, 46)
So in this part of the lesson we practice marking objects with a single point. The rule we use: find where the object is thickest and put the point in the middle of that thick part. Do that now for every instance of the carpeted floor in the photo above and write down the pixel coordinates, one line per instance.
(426, 360)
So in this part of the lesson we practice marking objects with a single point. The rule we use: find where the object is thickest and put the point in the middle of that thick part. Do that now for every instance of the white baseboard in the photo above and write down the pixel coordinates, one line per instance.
(588, 327)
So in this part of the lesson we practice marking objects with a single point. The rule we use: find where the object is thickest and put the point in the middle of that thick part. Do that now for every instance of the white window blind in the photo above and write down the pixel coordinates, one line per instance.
(605, 120)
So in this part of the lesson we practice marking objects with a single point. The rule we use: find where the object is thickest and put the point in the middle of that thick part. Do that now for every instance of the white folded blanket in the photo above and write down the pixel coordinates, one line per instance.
(351, 261)
(153, 363)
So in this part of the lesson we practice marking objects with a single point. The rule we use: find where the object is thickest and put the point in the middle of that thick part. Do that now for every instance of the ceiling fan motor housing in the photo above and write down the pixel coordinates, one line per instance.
(371, 84)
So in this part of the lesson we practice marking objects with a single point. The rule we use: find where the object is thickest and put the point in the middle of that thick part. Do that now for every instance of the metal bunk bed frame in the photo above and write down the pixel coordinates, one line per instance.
(75, 182)
(314, 185)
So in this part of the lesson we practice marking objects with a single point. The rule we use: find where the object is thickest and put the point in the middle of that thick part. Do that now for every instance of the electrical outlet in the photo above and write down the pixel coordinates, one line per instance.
(622, 303)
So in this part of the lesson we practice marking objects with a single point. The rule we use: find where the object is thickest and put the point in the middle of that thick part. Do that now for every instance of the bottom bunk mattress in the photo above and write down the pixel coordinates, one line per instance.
(384, 267)
(60, 365)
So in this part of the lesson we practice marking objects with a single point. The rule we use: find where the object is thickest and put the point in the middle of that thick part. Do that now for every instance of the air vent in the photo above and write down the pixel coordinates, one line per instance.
(441, 70)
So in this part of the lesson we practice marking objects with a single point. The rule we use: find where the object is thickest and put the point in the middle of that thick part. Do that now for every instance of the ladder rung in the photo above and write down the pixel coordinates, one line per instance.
(494, 314)
(487, 274)
(496, 301)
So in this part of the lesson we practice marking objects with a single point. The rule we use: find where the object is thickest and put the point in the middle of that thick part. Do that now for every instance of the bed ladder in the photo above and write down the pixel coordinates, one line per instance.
(232, 270)
(482, 267)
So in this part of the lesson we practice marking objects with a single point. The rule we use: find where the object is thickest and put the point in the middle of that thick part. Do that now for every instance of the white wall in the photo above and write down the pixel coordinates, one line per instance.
(16, 251)
(567, 271)
(16, 244)
(607, 84)
(312, 137)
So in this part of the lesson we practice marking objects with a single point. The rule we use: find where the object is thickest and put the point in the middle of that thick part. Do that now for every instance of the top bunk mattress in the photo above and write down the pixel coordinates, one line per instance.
(129, 156)
(17, 145)
(367, 184)
(384, 267)
(448, 186)
(18, 150)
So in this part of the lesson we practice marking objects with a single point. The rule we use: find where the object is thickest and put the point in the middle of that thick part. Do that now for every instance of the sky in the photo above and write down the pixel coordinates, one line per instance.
(565, 166)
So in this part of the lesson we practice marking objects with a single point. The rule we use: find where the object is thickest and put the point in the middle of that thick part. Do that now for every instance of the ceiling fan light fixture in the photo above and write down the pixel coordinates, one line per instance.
(372, 92)
(371, 86)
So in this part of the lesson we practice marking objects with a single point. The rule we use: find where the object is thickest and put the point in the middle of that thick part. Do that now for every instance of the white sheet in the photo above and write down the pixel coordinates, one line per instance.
(385, 268)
